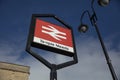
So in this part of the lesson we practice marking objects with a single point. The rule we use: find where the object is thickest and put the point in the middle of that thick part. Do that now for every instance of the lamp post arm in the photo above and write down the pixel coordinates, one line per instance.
(81, 18)
(92, 3)
(93, 17)
(114, 76)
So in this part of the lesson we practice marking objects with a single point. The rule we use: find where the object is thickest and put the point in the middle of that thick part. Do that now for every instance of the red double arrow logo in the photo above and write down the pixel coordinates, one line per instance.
(53, 32)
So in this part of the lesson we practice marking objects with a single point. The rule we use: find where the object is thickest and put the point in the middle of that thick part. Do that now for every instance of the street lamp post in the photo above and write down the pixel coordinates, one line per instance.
(93, 19)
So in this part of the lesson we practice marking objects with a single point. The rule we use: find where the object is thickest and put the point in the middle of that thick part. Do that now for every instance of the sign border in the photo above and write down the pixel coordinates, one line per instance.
(44, 47)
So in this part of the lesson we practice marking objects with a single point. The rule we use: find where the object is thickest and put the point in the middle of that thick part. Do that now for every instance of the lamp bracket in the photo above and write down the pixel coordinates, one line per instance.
(93, 18)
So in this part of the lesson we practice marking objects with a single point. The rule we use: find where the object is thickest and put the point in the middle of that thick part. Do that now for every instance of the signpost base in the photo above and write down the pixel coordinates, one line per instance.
(53, 73)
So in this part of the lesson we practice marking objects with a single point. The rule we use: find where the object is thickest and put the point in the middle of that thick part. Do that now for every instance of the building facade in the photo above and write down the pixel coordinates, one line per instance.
(10, 71)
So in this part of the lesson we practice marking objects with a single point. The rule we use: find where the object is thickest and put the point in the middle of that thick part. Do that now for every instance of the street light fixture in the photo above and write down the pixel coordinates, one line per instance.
(93, 19)
(83, 28)
(103, 2)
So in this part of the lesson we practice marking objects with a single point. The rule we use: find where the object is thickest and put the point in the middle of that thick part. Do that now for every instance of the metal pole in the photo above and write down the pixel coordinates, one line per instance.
(106, 54)
(93, 21)
(53, 73)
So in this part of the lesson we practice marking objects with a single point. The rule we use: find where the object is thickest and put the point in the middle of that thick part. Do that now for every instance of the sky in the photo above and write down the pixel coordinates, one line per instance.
(15, 17)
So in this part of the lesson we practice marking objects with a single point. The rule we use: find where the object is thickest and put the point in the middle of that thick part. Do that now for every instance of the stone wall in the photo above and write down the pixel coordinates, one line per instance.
(13, 72)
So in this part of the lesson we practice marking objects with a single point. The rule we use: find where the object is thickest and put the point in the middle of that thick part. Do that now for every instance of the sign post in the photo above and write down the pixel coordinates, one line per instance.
(51, 37)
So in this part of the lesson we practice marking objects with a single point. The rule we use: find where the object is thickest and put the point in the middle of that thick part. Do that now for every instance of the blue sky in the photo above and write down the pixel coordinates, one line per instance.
(15, 17)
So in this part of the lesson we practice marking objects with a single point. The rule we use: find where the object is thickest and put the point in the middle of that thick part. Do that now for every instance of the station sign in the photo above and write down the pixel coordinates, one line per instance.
(52, 37)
